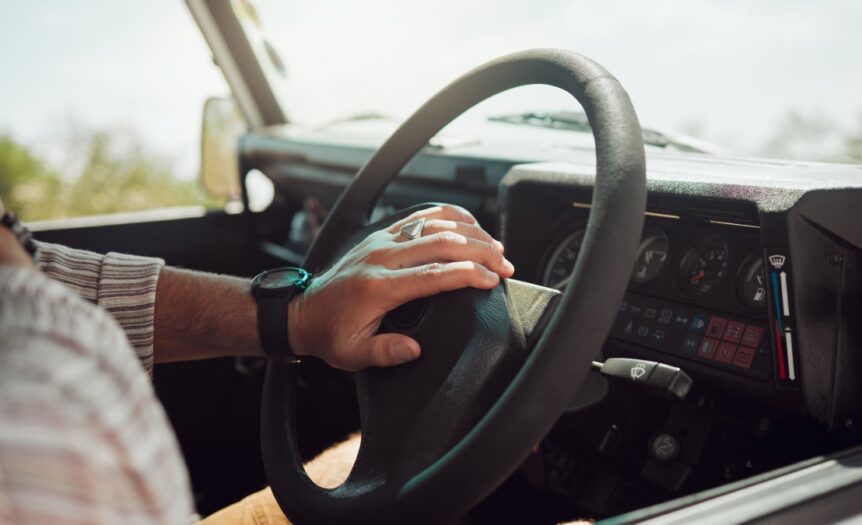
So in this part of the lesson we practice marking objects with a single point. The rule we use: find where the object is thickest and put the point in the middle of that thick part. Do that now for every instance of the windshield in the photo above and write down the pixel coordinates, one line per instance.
(775, 78)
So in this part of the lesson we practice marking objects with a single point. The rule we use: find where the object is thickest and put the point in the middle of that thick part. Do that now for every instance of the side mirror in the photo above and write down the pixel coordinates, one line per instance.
(223, 124)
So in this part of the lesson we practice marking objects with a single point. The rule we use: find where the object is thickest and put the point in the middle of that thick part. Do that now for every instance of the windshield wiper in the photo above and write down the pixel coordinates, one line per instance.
(577, 121)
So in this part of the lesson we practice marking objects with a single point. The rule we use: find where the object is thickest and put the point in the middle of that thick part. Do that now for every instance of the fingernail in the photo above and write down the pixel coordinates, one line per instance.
(508, 266)
(403, 352)
(500, 246)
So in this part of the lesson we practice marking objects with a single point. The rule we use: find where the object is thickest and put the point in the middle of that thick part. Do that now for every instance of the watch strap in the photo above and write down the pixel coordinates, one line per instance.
(272, 327)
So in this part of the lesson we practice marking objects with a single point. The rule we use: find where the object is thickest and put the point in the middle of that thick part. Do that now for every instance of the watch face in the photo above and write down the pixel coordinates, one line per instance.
(276, 279)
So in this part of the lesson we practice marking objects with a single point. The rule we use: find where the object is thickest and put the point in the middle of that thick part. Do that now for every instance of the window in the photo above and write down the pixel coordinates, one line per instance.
(771, 78)
(102, 107)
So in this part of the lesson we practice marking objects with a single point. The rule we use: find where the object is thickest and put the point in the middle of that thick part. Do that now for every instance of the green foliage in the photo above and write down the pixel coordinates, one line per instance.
(107, 172)
(26, 183)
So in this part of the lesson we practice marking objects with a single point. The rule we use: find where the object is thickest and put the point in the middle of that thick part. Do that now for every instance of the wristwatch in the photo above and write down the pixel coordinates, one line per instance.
(9, 221)
(273, 290)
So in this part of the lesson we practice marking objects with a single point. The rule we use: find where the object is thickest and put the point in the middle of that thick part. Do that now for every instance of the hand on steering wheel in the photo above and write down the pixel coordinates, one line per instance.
(337, 318)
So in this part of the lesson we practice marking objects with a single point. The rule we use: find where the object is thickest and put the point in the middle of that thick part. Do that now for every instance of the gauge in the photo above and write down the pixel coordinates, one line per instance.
(703, 267)
(752, 282)
(561, 263)
(652, 255)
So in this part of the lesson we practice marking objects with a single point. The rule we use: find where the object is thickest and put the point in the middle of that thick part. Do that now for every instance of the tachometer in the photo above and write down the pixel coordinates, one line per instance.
(703, 267)
(561, 263)
(652, 255)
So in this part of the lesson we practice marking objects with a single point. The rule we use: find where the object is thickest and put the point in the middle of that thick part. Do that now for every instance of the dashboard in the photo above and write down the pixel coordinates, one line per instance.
(745, 287)
(695, 292)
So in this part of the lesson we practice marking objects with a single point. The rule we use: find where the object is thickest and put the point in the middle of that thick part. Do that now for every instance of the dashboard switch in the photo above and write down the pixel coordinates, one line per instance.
(655, 325)
(691, 343)
(707, 348)
(744, 357)
(751, 336)
(733, 332)
(664, 447)
(716, 326)
(666, 380)
(698, 323)
(725, 352)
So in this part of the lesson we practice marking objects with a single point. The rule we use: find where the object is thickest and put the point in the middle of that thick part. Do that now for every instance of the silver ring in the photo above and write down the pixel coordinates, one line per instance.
(413, 230)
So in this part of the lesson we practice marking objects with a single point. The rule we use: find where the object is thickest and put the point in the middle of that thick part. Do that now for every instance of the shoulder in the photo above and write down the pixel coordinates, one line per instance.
(81, 424)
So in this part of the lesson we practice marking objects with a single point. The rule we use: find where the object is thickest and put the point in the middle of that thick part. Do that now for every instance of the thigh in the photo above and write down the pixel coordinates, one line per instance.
(328, 470)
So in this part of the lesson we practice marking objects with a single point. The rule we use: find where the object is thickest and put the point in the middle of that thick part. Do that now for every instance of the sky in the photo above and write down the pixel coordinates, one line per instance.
(726, 70)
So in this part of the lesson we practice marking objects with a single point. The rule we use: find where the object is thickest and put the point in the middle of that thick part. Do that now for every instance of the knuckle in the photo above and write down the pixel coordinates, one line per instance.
(494, 254)
(433, 270)
(463, 213)
(448, 238)
(432, 226)
(379, 236)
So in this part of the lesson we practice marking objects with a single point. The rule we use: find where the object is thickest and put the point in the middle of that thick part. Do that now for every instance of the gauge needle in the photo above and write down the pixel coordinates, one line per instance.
(698, 277)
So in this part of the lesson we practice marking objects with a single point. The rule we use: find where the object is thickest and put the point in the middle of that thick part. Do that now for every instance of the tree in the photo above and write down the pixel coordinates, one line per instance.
(27, 185)
(107, 171)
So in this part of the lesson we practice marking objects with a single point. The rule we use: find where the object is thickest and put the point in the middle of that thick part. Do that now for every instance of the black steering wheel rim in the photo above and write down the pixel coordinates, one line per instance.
(554, 370)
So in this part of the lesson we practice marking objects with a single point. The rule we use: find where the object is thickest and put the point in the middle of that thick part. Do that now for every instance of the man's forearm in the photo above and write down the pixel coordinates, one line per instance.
(200, 315)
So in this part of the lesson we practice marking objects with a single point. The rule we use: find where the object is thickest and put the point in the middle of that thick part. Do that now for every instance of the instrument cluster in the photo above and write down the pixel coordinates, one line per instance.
(689, 267)
(697, 291)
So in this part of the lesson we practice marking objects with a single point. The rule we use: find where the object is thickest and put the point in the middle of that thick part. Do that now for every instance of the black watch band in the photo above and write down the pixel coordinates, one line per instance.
(274, 290)
(272, 327)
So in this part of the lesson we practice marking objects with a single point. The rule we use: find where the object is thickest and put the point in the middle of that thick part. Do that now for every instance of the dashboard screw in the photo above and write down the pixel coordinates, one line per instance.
(848, 423)
(836, 258)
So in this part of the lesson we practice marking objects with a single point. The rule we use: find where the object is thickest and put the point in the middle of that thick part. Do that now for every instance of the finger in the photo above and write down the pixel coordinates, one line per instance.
(474, 231)
(446, 212)
(448, 246)
(387, 350)
(431, 279)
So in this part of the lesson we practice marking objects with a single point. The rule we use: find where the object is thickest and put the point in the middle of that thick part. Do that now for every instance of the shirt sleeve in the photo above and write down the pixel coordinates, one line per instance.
(123, 285)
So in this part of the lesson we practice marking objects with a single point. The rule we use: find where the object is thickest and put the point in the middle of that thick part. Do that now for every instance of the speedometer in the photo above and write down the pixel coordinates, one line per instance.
(703, 267)
(561, 263)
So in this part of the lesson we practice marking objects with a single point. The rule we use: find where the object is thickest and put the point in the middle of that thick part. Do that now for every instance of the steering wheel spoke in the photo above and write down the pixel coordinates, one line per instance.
(473, 345)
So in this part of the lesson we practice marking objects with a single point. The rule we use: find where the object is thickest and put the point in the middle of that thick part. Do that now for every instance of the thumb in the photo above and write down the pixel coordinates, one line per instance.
(388, 350)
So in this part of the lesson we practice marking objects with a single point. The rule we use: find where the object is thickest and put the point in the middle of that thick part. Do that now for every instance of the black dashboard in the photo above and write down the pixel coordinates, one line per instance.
(731, 285)
(754, 292)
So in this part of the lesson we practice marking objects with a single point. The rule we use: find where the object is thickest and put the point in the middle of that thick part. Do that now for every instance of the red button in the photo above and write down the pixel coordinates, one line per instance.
(716, 326)
(708, 347)
(744, 357)
(751, 336)
(733, 332)
(725, 352)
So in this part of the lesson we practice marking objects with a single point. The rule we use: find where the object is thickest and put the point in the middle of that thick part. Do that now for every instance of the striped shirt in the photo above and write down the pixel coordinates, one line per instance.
(83, 438)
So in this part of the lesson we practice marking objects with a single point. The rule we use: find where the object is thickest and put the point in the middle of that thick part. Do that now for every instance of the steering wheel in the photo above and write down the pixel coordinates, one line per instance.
(441, 433)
